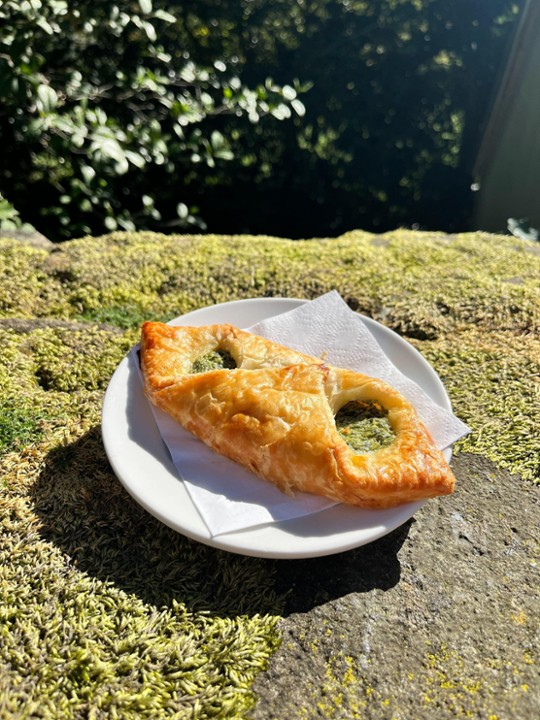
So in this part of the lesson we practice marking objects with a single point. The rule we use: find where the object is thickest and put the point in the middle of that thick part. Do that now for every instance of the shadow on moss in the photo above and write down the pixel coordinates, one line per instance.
(86, 512)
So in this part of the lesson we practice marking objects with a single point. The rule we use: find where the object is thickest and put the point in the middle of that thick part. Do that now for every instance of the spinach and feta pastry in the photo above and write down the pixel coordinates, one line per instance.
(293, 419)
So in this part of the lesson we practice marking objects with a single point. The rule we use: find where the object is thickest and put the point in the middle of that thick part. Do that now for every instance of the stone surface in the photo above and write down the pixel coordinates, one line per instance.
(440, 619)
(30, 237)
(105, 612)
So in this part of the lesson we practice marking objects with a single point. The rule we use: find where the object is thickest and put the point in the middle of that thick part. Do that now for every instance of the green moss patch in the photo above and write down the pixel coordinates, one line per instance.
(74, 360)
(428, 284)
(104, 611)
(493, 383)
(18, 426)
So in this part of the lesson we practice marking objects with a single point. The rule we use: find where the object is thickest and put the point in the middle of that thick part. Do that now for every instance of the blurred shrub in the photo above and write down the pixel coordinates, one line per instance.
(105, 117)
(399, 98)
(159, 113)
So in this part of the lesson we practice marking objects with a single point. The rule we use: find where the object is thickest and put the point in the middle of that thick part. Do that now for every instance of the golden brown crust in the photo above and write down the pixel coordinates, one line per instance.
(275, 414)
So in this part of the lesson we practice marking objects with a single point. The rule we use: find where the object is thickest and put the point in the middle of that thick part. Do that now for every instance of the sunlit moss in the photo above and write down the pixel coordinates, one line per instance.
(27, 288)
(19, 426)
(105, 611)
(492, 380)
(75, 360)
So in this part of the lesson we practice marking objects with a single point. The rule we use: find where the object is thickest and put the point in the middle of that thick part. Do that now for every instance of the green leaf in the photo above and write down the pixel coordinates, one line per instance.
(289, 93)
(7, 211)
(47, 98)
(298, 107)
(281, 112)
(217, 140)
(88, 173)
(44, 25)
(122, 166)
(165, 16)
(106, 146)
(135, 158)
(150, 31)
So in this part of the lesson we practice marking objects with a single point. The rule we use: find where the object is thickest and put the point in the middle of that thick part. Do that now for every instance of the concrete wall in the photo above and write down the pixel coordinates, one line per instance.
(508, 164)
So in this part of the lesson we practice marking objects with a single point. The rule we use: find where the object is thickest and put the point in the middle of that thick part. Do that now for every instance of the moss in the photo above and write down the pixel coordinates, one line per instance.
(18, 427)
(75, 646)
(122, 316)
(428, 283)
(74, 361)
(59, 359)
(492, 380)
(106, 612)
(20, 267)
(27, 288)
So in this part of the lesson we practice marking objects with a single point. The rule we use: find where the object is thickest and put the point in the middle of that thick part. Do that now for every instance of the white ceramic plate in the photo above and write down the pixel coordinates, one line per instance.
(142, 463)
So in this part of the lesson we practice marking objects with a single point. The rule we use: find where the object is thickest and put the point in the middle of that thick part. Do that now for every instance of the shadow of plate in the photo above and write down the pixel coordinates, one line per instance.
(86, 512)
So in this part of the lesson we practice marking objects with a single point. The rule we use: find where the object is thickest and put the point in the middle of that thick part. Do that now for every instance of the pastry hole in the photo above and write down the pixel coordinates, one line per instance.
(213, 360)
(364, 426)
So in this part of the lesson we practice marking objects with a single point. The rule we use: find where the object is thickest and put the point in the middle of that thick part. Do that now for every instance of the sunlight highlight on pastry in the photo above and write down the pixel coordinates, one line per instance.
(280, 413)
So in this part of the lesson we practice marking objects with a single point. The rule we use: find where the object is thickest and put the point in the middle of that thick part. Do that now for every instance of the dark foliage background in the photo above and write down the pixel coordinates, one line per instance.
(290, 117)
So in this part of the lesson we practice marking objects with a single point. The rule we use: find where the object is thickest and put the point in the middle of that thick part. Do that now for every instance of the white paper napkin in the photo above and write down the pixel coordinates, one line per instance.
(229, 497)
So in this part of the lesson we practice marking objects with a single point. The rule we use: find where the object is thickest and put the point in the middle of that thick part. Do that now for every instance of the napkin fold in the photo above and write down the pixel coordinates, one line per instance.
(229, 497)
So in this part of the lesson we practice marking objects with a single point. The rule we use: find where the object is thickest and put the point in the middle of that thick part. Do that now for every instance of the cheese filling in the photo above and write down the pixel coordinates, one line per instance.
(364, 426)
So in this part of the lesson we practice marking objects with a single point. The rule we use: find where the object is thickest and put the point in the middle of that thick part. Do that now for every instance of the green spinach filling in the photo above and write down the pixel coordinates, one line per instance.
(214, 360)
(364, 426)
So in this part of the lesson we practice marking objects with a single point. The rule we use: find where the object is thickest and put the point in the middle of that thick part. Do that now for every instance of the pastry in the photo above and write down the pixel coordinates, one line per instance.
(291, 418)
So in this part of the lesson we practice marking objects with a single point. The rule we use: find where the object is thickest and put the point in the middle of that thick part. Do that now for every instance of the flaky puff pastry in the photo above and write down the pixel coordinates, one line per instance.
(274, 414)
